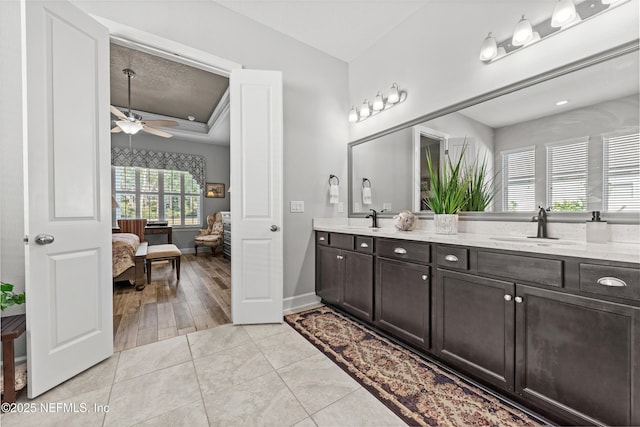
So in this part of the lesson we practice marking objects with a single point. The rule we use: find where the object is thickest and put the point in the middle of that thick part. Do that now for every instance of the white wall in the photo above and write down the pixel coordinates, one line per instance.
(217, 160)
(315, 97)
(433, 55)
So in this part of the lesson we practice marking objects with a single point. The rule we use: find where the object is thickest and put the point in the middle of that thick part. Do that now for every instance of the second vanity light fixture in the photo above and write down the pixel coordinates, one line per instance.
(565, 15)
(396, 96)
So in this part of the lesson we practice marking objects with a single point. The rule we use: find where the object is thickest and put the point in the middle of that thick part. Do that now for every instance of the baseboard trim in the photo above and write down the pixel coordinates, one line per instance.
(300, 302)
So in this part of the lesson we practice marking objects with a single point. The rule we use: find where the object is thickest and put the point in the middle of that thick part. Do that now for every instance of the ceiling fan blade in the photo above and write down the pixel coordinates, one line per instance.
(119, 114)
(156, 132)
(116, 129)
(160, 123)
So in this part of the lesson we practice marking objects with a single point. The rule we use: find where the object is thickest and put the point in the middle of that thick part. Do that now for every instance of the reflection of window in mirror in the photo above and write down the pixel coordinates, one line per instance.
(519, 180)
(433, 147)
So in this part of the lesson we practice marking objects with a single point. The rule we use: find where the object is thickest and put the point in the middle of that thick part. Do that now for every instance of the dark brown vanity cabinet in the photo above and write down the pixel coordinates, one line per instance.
(403, 291)
(345, 277)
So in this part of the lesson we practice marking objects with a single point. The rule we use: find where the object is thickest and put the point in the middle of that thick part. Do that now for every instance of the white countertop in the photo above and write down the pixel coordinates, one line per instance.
(624, 252)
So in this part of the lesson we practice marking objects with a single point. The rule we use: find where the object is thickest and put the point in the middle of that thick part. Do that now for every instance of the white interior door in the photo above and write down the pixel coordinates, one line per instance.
(256, 200)
(68, 280)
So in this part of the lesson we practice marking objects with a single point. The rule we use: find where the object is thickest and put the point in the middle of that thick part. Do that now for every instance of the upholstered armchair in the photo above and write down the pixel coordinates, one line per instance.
(212, 236)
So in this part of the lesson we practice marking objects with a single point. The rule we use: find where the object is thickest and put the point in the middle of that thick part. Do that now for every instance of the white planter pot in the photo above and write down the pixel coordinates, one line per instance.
(446, 223)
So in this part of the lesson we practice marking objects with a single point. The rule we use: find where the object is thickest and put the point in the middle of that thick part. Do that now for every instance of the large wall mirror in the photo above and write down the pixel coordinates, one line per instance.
(568, 140)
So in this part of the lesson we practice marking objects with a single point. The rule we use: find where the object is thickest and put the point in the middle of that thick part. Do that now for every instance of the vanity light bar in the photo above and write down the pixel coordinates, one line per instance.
(380, 103)
(565, 15)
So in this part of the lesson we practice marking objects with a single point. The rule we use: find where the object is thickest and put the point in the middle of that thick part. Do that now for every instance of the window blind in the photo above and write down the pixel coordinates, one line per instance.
(519, 181)
(567, 167)
(621, 169)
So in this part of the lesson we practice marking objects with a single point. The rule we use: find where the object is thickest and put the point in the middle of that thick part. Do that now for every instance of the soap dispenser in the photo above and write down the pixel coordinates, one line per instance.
(597, 231)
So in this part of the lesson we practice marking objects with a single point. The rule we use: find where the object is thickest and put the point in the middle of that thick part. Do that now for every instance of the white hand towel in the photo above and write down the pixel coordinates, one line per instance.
(366, 195)
(334, 194)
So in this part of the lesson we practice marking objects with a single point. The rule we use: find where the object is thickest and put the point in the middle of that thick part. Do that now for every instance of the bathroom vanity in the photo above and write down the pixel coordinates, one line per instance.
(555, 326)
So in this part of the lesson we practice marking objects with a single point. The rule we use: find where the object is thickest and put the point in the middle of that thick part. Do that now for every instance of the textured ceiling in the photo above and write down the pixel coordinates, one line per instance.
(164, 87)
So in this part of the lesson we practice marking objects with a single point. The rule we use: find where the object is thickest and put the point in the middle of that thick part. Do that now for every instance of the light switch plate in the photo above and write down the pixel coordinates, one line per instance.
(297, 206)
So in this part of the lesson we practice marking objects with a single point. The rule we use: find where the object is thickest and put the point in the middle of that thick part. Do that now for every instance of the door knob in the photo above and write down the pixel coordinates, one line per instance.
(44, 239)
(274, 227)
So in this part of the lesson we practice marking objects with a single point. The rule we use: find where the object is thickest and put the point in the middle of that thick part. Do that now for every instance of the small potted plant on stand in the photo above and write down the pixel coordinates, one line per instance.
(448, 194)
(8, 298)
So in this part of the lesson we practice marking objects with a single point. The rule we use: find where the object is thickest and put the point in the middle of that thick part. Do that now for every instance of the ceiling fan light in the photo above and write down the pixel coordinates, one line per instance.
(130, 128)
(523, 32)
(563, 14)
(394, 95)
(489, 49)
(378, 102)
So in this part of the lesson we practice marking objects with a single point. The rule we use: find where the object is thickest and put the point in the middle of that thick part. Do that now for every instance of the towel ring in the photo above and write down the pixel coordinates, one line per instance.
(366, 183)
(332, 176)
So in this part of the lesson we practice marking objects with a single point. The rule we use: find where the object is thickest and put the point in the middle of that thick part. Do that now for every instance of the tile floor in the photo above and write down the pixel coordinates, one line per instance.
(265, 375)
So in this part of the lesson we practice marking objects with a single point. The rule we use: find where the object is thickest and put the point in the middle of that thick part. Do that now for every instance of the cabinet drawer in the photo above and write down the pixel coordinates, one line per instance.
(404, 250)
(452, 257)
(524, 268)
(342, 241)
(364, 244)
(322, 238)
(619, 282)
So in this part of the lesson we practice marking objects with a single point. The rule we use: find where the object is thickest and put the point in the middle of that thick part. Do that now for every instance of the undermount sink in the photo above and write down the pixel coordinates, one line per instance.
(534, 240)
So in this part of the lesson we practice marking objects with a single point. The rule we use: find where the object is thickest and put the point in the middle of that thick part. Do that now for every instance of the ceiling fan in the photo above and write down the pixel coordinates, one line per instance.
(132, 123)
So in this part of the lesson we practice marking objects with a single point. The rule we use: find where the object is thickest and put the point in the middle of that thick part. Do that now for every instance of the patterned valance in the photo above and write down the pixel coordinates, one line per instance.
(195, 165)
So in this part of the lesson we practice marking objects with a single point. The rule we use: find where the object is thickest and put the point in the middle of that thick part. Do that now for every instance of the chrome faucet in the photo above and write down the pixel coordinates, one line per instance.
(541, 218)
(374, 218)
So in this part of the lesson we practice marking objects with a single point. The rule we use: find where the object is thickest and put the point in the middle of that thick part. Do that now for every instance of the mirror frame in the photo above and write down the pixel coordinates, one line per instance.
(611, 217)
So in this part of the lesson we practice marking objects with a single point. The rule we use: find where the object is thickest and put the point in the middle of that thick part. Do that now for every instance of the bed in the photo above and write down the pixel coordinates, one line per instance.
(128, 259)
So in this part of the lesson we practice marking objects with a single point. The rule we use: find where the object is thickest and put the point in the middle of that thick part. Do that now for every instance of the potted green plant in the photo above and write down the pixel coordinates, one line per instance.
(448, 193)
(8, 298)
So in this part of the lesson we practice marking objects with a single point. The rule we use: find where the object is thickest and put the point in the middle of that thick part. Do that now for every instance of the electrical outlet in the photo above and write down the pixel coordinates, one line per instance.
(297, 206)
(340, 207)
(356, 207)
(386, 206)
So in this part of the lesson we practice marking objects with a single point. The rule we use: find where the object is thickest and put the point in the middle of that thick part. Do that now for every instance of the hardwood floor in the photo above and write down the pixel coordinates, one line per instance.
(165, 309)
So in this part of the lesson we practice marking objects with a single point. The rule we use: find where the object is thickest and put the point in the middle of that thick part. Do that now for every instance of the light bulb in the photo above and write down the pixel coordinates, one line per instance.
(364, 110)
(394, 95)
(130, 128)
(523, 32)
(564, 14)
(353, 115)
(489, 49)
(378, 103)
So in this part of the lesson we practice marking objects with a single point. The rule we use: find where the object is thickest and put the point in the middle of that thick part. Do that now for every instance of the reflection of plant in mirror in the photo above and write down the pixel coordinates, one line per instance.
(480, 189)
(579, 205)
(448, 193)
(8, 298)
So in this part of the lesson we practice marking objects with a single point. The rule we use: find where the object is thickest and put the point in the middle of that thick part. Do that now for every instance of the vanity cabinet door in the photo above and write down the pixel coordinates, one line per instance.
(329, 274)
(358, 284)
(579, 353)
(403, 301)
(475, 321)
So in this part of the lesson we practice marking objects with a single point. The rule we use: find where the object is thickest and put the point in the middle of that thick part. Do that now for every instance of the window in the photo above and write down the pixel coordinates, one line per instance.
(621, 178)
(567, 167)
(519, 180)
(157, 195)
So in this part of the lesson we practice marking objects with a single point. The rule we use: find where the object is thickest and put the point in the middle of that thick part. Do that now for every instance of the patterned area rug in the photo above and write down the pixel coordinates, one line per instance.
(416, 390)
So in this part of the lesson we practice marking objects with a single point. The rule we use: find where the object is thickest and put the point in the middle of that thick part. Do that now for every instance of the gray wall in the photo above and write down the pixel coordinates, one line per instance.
(217, 158)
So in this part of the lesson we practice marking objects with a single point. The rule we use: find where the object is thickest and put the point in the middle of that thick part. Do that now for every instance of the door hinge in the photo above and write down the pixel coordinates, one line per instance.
(26, 239)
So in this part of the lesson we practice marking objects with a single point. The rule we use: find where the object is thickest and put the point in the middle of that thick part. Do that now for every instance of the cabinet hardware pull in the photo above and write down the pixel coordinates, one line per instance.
(401, 251)
(364, 245)
(518, 300)
(425, 277)
(322, 239)
(611, 281)
(451, 258)
(507, 297)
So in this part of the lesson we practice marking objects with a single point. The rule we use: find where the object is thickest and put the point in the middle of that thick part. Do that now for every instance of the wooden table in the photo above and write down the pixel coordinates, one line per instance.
(154, 229)
(12, 328)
